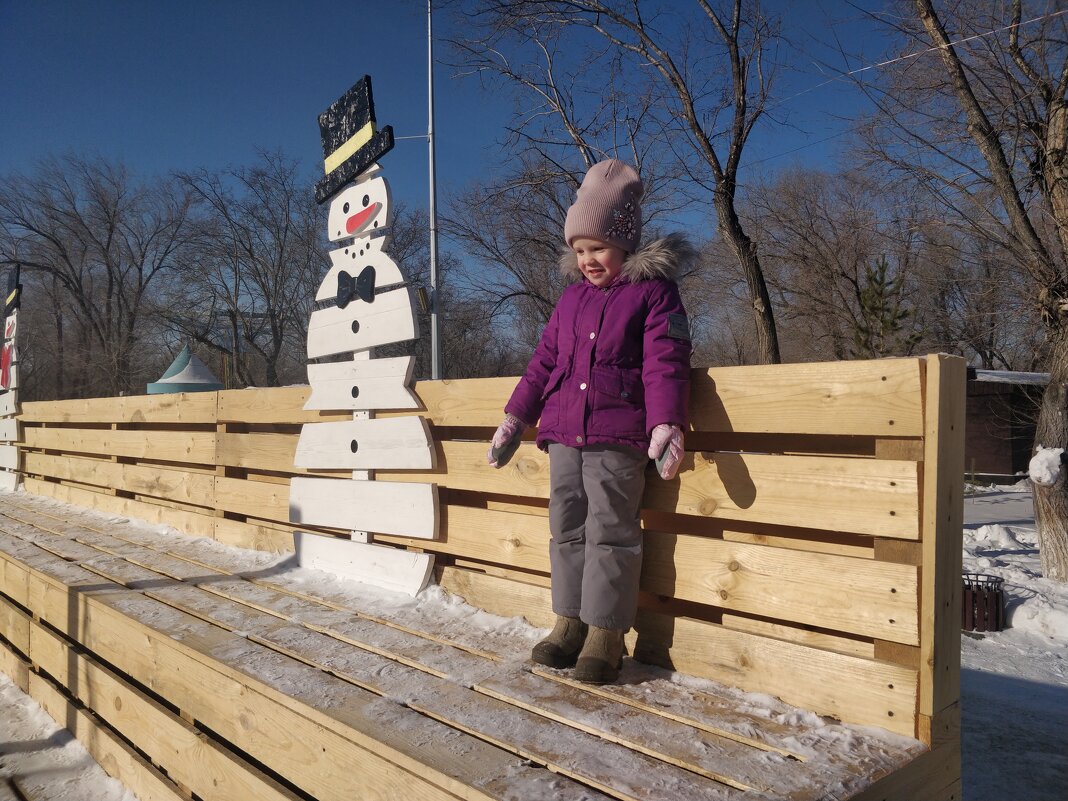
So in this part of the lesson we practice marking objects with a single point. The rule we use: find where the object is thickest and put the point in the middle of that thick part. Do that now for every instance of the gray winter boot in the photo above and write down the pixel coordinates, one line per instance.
(560, 649)
(601, 657)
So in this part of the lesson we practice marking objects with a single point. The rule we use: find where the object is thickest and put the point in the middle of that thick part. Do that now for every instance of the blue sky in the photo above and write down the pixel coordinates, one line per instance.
(203, 83)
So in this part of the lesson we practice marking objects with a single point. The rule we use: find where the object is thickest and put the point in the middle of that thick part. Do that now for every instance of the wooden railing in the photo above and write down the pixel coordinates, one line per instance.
(809, 549)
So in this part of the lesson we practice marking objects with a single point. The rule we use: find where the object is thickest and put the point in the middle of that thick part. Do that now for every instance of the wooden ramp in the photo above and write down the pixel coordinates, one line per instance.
(190, 668)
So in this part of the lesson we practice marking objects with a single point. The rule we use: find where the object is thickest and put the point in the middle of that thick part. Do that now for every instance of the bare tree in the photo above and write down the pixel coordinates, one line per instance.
(818, 233)
(513, 233)
(260, 252)
(700, 76)
(471, 346)
(983, 114)
(974, 298)
(105, 241)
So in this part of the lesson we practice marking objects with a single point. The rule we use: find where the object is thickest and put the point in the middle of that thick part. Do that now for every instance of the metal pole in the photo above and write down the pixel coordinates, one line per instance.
(435, 344)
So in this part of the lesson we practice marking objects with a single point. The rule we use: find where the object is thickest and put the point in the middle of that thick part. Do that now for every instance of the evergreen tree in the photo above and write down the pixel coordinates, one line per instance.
(883, 320)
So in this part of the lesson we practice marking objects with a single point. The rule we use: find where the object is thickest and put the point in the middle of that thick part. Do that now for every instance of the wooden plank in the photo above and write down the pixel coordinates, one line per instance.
(262, 451)
(813, 540)
(399, 443)
(255, 536)
(194, 488)
(8, 403)
(189, 758)
(16, 669)
(184, 407)
(899, 551)
(852, 689)
(378, 565)
(416, 656)
(927, 778)
(858, 596)
(943, 521)
(15, 626)
(863, 398)
(192, 523)
(389, 319)
(258, 499)
(511, 727)
(9, 429)
(401, 508)
(872, 398)
(824, 640)
(362, 384)
(9, 480)
(9, 457)
(197, 447)
(864, 496)
(117, 758)
(111, 752)
(295, 718)
(276, 405)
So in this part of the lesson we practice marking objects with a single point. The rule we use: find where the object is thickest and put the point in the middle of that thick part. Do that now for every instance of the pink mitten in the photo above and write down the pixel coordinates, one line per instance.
(666, 446)
(505, 441)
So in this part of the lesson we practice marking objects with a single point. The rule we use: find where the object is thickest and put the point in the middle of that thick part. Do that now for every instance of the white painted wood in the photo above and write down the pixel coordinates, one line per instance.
(394, 443)
(353, 259)
(378, 565)
(391, 318)
(9, 481)
(13, 383)
(8, 403)
(11, 325)
(379, 384)
(9, 429)
(406, 509)
(362, 475)
(9, 457)
(349, 205)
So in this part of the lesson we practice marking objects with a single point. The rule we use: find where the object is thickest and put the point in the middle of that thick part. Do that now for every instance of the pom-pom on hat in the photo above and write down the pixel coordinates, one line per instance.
(607, 206)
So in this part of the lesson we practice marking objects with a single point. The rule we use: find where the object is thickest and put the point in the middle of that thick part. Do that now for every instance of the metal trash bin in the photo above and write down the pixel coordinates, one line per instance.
(983, 603)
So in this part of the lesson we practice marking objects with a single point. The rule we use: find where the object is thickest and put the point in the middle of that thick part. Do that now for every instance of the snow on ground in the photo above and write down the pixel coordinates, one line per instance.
(47, 761)
(1014, 683)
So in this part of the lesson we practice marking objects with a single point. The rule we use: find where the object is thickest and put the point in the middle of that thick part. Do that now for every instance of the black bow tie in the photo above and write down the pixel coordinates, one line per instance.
(362, 287)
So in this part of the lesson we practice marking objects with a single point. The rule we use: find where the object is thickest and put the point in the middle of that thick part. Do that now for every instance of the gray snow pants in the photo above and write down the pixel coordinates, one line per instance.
(596, 547)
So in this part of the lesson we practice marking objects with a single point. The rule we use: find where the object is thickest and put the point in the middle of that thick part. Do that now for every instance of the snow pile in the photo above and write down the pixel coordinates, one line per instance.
(1046, 467)
(1014, 683)
(47, 761)
(1035, 606)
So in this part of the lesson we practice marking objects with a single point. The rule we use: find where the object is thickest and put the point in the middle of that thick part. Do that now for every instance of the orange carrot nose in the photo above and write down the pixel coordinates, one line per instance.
(357, 221)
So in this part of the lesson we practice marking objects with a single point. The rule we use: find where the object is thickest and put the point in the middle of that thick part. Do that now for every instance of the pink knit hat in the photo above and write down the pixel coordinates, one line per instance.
(607, 207)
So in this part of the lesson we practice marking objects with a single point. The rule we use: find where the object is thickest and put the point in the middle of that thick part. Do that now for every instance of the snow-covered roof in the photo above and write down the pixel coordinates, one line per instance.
(1008, 377)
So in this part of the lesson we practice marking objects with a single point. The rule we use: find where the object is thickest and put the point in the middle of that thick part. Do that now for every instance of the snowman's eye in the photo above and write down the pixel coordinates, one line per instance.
(345, 209)
(366, 199)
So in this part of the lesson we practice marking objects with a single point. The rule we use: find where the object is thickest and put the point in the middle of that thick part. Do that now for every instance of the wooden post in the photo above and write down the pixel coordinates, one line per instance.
(942, 524)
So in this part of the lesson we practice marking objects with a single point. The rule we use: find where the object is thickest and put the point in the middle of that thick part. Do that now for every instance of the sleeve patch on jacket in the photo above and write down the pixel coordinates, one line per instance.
(678, 327)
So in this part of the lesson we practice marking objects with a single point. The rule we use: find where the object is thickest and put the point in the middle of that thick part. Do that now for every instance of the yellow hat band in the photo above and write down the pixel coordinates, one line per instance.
(355, 142)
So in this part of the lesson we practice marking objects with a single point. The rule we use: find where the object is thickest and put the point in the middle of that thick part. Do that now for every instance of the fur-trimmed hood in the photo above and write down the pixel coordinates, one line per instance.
(669, 258)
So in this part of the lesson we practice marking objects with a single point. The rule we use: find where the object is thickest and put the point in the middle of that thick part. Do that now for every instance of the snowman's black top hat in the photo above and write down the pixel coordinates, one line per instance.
(350, 142)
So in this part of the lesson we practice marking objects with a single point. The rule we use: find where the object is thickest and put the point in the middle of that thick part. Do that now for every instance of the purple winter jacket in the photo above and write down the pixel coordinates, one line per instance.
(612, 363)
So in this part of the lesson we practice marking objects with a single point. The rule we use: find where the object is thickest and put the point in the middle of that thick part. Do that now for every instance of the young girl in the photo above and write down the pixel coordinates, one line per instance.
(610, 383)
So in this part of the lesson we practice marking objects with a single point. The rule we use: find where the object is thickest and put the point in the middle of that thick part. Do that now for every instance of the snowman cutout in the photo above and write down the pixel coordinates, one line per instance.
(365, 302)
(9, 406)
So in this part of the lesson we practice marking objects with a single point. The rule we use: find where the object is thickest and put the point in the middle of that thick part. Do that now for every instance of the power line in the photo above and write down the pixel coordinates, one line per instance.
(887, 63)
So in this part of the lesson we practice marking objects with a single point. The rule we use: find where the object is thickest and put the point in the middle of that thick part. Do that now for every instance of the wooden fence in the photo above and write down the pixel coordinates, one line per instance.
(810, 548)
